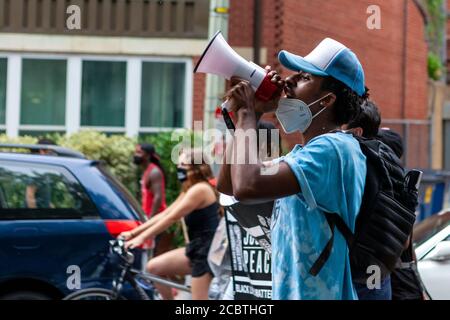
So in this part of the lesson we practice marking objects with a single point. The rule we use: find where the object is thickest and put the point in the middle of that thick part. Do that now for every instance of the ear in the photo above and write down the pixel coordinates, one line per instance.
(358, 131)
(328, 101)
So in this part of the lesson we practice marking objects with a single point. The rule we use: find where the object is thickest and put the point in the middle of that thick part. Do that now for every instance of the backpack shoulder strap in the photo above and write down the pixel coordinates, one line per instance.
(334, 220)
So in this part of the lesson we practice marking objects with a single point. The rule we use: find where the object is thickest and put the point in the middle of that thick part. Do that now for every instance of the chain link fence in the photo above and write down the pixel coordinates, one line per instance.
(416, 141)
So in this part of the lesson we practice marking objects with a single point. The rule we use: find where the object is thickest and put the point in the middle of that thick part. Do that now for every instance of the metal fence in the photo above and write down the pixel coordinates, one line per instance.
(416, 141)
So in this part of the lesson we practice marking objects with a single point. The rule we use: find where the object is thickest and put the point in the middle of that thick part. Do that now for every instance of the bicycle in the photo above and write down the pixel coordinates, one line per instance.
(138, 280)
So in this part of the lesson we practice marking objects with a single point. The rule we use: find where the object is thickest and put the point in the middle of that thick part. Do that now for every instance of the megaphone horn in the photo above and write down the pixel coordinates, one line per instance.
(220, 59)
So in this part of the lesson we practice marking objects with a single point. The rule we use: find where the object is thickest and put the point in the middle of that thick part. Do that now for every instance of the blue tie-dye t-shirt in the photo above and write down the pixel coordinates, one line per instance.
(331, 171)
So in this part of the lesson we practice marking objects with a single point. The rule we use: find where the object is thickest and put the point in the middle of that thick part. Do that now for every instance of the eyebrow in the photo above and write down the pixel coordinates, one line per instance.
(303, 73)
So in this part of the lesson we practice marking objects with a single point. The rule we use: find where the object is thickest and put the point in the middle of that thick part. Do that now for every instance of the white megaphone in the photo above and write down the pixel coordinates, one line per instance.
(220, 59)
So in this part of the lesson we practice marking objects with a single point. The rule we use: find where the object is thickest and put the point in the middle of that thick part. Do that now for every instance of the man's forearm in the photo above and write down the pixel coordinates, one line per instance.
(224, 183)
(247, 168)
(157, 200)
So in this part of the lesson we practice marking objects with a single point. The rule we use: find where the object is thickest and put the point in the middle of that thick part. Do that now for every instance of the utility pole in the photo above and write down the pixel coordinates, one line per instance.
(215, 86)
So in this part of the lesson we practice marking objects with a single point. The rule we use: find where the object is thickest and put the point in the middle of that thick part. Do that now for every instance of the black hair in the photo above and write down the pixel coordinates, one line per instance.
(348, 103)
(392, 139)
(46, 141)
(149, 149)
(369, 119)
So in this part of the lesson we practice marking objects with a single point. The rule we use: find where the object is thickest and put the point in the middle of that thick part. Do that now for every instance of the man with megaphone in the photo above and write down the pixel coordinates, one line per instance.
(326, 174)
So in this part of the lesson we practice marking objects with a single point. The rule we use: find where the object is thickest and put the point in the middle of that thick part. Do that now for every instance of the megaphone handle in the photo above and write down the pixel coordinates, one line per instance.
(267, 89)
(226, 116)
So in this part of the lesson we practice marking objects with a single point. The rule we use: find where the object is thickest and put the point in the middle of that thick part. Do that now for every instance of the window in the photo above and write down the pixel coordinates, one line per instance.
(122, 192)
(41, 192)
(62, 93)
(43, 98)
(163, 94)
(40, 134)
(3, 67)
(103, 93)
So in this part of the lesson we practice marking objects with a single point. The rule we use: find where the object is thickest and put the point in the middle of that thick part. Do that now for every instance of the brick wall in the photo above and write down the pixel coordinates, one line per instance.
(299, 25)
(199, 93)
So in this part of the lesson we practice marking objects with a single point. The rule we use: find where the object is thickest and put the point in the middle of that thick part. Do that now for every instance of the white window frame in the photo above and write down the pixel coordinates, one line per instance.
(107, 59)
(3, 125)
(74, 63)
(188, 94)
(103, 129)
(43, 127)
(13, 84)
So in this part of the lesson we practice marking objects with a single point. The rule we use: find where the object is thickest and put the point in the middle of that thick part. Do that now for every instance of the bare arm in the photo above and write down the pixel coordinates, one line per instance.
(224, 184)
(195, 198)
(155, 183)
(253, 181)
(138, 230)
(31, 196)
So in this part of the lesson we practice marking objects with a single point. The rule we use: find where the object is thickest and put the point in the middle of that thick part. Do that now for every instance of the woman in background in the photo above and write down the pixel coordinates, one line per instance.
(198, 205)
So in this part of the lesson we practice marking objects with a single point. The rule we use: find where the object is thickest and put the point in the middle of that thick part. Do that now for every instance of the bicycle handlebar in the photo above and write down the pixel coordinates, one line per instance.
(117, 246)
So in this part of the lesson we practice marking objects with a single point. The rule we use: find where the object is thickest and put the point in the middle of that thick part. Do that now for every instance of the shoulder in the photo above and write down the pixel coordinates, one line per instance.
(335, 140)
(155, 173)
(200, 189)
(329, 145)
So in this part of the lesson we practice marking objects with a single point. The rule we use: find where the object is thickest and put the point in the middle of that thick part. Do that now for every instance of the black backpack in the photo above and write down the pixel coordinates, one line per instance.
(384, 222)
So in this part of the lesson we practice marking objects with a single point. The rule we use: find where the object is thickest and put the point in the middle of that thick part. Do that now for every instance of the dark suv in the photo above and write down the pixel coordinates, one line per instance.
(57, 214)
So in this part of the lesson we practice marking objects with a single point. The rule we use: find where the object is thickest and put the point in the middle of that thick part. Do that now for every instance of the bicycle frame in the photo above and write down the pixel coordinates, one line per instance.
(128, 274)
(154, 278)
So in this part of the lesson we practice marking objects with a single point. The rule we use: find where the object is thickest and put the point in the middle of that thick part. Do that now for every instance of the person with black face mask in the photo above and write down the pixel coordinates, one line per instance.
(198, 205)
(153, 198)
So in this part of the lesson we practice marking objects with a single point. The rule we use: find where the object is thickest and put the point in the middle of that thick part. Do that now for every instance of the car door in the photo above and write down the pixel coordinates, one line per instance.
(49, 227)
(434, 268)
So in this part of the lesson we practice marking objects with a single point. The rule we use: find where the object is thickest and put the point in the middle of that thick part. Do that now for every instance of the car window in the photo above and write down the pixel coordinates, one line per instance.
(122, 191)
(429, 227)
(35, 191)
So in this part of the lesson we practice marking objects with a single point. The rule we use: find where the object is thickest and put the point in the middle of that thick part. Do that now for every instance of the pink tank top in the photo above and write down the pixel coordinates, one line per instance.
(147, 194)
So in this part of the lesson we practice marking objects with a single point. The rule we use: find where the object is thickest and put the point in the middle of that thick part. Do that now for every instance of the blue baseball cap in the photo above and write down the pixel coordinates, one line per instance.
(329, 58)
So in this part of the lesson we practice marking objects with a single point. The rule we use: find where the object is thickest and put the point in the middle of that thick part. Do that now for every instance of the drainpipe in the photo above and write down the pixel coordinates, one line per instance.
(405, 128)
(444, 41)
(215, 86)
(257, 20)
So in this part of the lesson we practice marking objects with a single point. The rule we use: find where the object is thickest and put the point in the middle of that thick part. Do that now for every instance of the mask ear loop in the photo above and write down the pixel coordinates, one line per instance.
(314, 102)
(318, 112)
(320, 104)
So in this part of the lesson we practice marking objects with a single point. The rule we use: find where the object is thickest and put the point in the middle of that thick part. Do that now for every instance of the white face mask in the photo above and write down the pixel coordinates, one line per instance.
(295, 115)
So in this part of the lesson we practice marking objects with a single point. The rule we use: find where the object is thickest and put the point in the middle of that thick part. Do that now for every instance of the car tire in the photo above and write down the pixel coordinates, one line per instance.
(92, 294)
(25, 295)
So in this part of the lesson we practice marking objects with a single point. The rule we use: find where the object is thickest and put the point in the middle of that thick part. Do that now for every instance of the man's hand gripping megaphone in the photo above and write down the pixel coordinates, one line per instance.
(242, 96)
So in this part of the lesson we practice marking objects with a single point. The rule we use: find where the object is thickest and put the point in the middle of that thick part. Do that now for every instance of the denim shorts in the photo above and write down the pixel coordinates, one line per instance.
(384, 293)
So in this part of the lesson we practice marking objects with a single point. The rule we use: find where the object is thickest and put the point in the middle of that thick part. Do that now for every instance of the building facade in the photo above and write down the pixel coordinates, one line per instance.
(129, 68)
(394, 57)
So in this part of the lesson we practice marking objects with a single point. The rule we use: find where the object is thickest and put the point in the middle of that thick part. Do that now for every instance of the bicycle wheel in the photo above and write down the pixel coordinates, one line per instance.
(92, 294)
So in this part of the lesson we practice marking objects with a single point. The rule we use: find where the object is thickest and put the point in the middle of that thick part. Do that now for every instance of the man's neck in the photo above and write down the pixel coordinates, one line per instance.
(313, 132)
(145, 164)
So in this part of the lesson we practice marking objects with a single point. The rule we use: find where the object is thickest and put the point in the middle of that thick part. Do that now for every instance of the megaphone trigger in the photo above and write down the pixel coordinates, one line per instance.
(226, 105)
(226, 116)
(267, 89)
